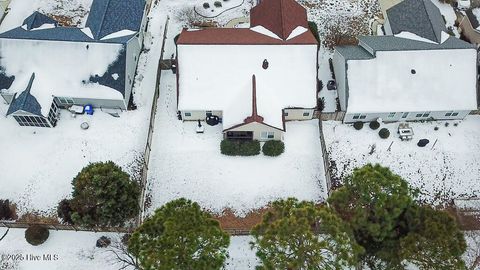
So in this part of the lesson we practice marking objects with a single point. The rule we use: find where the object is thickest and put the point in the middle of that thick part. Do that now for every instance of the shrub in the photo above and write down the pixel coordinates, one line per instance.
(6, 212)
(103, 195)
(64, 211)
(374, 125)
(384, 133)
(321, 103)
(240, 148)
(217, 4)
(358, 125)
(320, 85)
(435, 128)
(103, 242)
(273, 148)
(206, 5)
(36, 235)
(314, 29)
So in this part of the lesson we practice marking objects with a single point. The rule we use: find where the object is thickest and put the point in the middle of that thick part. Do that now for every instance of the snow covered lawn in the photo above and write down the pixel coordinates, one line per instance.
(444, 171)
(68, 250)
(186, 164)
(76, 251)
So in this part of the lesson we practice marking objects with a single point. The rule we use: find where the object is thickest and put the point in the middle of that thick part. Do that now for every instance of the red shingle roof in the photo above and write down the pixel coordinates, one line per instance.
(240, 36)
(279, 16)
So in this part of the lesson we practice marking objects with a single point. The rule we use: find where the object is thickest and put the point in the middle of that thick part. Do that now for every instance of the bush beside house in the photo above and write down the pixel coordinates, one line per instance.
(358, 125)
(240, 148)
(6, 210)
(273, 148)
(384, 133)
(36, 235)
(374, 125)
(103, 195)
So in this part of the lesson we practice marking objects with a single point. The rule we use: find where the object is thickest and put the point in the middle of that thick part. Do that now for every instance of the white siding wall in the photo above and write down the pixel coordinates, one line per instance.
(339, 68)
(198, 115)
(412, 116)
(297, 114)
(388, 29)
(134, 47)
(257, 130)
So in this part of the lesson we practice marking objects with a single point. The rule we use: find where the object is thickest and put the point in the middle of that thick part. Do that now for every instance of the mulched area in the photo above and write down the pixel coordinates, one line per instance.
(229, 221)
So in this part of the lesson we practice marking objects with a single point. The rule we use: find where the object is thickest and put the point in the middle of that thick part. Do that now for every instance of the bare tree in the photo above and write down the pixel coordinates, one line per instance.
(122, 257)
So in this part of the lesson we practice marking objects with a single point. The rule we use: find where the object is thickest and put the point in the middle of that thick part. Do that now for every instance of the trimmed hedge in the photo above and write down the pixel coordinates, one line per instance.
(384, 133)
(36, 235)
(374, 125)
(273, 148)
(240, 148)
(358, 125)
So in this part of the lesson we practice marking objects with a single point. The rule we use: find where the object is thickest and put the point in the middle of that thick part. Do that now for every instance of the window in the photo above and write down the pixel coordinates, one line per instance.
(267, 135)
(285, 113)
(306, 114)
(391, 115)
(363, 116)
(31, 121)
(187, 114)
(426, 114)
(405, 115)
(65, 101)
(356, 116)
(448, 114)
(455, 114)
(418, 115)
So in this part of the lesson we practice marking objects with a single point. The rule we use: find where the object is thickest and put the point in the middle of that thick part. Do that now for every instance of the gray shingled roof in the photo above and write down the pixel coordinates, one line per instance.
(353, 53)
(391, 43)
(26, 102)
(420, 17)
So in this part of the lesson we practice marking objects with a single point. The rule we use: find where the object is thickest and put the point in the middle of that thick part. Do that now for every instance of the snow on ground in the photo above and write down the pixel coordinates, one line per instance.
(241, 255)
(325, 75)
(450, 170)
(38, 164)
(76, 251)
(76, 10)
(186, 164)
(67, 249)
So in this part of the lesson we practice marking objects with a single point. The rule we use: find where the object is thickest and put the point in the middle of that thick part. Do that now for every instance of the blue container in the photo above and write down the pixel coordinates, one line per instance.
(88, 109)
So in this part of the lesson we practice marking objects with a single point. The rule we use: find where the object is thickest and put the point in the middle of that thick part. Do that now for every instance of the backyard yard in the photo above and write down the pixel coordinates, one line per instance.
(447, 167)
(186, 164)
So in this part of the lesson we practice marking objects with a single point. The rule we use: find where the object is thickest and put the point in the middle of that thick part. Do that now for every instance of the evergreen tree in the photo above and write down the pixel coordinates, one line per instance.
(393, 229)
(434, 240)
(103, 195)
(180, 236)
(300, 235)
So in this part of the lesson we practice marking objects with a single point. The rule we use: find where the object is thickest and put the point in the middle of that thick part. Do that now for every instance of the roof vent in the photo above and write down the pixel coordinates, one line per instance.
(265, 64)
(413, 71)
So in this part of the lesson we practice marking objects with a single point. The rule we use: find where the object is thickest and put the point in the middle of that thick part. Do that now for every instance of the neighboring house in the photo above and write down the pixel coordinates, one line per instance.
(275, 59)
(44, 66)
(416, 72)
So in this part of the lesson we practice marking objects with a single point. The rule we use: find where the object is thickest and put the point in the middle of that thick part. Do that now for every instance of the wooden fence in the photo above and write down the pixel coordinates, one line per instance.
(326, 162)
(335, 116)
(151, 126)
(64, 227)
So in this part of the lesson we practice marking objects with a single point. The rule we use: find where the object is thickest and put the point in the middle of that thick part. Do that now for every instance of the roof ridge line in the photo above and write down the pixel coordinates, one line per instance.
(430, 19)
(103, 17)
(281, 19)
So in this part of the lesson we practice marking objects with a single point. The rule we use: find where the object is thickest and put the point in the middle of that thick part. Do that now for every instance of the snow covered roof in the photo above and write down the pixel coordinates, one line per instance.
(420, 17)
(64, 69)
(390, 83)
(279, 16)
(219, 77)
(25, 101)
(106, 17)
